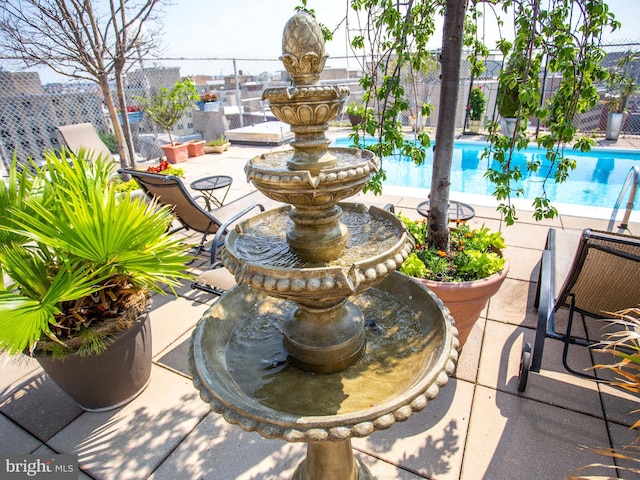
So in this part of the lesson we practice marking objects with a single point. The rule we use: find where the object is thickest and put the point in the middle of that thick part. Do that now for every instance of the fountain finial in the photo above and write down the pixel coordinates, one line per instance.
(303, 52)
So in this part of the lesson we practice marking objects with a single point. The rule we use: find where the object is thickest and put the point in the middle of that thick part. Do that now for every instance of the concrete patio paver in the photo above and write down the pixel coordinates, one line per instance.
(511, 437)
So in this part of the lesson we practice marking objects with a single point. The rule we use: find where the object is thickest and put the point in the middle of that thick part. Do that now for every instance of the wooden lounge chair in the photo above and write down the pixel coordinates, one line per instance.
(84, 135)
(169, 190)
(591, 272)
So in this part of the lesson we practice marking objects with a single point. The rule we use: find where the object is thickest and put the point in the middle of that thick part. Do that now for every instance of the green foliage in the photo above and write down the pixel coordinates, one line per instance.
(477, 103)
(569, 38)
(567, 33)
(400, 35)
(216, 142)
(474, 253)
(78, 242)
(168, 105)
(110, 141)
(125, 187)
(621, 83)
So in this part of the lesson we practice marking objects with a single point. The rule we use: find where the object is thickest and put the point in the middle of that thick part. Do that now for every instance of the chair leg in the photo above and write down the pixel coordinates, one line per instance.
(569, 339)
(545, 310)
(525, 366)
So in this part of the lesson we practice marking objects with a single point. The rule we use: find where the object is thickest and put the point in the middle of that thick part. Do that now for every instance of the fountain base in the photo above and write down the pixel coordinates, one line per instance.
(343, 464)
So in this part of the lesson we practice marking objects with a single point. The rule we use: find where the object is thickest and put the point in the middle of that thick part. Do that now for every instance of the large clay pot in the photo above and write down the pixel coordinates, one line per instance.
(176, 153)
(195, 148)
(115, 377)
(466, 300)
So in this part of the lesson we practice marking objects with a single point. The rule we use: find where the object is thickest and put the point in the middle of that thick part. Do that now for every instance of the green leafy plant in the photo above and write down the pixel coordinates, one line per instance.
(77, 255)
(168, 105)
(474, 253)
(110, 140)
(163, 167)
(623, 344)
(477, 103)
(574, 56)
(216, 142)
(621, 83)
(396, 36)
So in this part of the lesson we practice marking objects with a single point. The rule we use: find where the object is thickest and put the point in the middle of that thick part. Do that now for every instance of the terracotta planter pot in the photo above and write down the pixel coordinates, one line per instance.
(195, 148)
(176, 153)
(113, 378)
(466, 300)
(216, 148)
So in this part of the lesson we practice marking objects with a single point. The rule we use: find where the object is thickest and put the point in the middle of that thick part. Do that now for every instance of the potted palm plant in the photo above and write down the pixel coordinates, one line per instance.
(165, 108)
(78, 263)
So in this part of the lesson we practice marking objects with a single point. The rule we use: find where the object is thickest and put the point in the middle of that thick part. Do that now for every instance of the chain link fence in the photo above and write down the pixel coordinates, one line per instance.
(34, 102)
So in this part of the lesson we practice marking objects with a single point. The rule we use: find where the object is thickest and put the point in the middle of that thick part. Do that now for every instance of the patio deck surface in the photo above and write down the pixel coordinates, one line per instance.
(479, 427)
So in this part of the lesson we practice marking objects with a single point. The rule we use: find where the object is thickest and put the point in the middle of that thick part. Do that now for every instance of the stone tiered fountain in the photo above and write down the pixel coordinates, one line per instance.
(321, 340)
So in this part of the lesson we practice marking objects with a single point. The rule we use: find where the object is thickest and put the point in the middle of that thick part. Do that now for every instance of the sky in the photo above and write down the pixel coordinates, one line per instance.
(252, 29)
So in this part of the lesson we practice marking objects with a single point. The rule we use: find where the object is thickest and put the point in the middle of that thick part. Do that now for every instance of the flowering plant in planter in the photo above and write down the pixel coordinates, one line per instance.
(477, 103)
(131, 109)
(473, 254)
(209, 97)
(163, 167)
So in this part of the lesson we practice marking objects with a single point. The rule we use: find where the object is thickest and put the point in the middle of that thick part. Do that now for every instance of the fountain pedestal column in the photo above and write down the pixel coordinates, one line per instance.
(324, 340)
(342, 464)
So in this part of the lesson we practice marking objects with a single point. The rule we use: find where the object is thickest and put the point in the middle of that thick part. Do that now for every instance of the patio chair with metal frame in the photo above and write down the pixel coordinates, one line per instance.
(590, 272)
(169, 190)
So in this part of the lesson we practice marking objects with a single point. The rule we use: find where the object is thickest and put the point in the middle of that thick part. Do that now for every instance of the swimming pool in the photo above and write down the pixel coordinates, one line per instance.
(596, 181)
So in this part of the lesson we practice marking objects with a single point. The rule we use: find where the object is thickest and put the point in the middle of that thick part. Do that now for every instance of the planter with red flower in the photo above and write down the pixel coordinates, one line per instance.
(209, 102)
(475, 109)
(134, 114)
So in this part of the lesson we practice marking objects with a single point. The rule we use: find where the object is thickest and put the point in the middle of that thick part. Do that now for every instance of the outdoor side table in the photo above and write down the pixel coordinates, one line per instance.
(208, 186)
(458, 211)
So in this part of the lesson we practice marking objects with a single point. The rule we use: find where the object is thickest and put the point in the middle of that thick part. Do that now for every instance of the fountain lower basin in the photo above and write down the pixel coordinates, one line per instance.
(410, 353)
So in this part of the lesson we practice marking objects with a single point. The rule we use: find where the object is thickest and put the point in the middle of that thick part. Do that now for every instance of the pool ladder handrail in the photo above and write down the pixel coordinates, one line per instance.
(632, 181)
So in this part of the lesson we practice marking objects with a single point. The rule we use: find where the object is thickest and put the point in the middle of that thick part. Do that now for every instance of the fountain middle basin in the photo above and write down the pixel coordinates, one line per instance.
(409, 355)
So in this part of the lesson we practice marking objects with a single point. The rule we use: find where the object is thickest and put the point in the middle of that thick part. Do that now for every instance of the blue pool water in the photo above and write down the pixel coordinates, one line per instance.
(596, 181)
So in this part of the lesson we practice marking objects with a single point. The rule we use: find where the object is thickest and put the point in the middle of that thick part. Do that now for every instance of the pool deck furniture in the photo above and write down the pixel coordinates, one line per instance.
(477, 427)
(589, 272)
(170, 191)
(83, 135)
(458, 211)
(207, 187)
